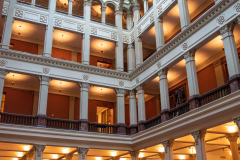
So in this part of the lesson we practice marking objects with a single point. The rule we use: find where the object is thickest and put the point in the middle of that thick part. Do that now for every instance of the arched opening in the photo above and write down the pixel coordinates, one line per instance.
(96, 11)
(110, 14)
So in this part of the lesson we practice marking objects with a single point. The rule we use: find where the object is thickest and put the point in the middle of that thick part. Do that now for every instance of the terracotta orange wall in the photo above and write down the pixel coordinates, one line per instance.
(150, 108)
(58, 105)
(18, 101)
(92, 109)
(207, 79)
(24, 46)
(60, 54)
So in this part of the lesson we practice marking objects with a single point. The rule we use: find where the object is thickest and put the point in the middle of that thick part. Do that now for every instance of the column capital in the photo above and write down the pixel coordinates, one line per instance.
(232, 137)
(103, 8)
(118, 12)
(136, 7)
(120, 91)
(38, 149)
(190, 54)
(87, 3)
(3, 73)
(132, 93)
(198, 134)
(84, 85)
(70, 1)
(237, 121)
(134, 153)
(160, 20)
(83, 152)
(227, 30)
(163, 72)
(139, 87)
(166, 144)
(129, 15)
(44, 79)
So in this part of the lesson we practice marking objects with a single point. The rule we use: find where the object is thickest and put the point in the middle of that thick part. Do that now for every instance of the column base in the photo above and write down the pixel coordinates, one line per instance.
(164, 115)
(141, 126)
(4, 46)
(133, 129)
(234, 83)
(193, 102)
(47, 55)
(41, 120)
(83, 125)
(121, 128)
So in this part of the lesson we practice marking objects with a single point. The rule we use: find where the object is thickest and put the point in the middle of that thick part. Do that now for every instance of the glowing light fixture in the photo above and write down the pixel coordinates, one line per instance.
(182, 157)
(65, 2)
(140, 155)
(12, 83)
(15, 159)
(113, 154)
(66, 150)
(20, 154)
(26, 148)
(193, 150)
(231, 129)
(161, 149)
(60, 87)
(75, 153)
(55, 156)
(19, 30)
(98, 158)
(61, 40)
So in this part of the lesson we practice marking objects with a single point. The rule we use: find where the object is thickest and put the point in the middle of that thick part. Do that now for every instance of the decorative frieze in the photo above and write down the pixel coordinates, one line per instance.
(80, 28)
(3, 63)
(58, 22)
(114, 36)
(46, 70)
(43, 19)
(184, 46)
(94, 31)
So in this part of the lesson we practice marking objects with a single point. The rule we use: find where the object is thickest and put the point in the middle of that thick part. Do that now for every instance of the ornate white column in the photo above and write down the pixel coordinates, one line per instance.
(3, 73)
(33, 2)
(47, 51)
(164, 95)
(138, 51)
(74, 56)
(7, 29)
(38, 151)
(119, 50)
(232, 138)
(168, 149)
(191, 73)
(145, 5)
(86, 36)
(158, 104)
(70, 3)
(129, 20)
(83, 106)
(131, 58)
(159, 33)
(71, 107)
(134, 155)
(231, 55)
(35, 103)
(219, 72)
(121, 111)
(82, 153)
(184, 13)
(141, 108)
(132, 108)
(199, 137)
(103, 14)
(42, 101)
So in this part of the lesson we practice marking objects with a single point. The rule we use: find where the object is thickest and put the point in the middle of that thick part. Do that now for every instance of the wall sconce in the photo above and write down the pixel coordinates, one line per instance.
(19, 29)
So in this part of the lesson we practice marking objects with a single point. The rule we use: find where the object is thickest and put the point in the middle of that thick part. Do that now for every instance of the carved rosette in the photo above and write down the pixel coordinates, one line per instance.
(4, 10)
(158, 65)
(139, 30)
(159, 9)
(80, 28)
(125, 39)
(3, 63)
(163, 72)
(19, 13)
(237, 7)
(58, 22)
(184, 46)
(43, 19)
(85, 77)
(94, 31)
(121, 83)
(137, 80)
(46, 70)
(221, 20)
(114, 36)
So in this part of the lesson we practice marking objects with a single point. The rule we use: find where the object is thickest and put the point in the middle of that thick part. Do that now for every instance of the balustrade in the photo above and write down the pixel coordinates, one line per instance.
(62, 124)
(17, 119)
(102, 128)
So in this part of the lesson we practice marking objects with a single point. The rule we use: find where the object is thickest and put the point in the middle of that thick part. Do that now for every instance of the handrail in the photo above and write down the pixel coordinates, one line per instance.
(179, 110)
(62, 124)
(102, 128)
(18, 119)
(111, 24)
(153, 122)
(94, 20)
(20, 1)
(39, 6)
(59, 11)
(214, 94)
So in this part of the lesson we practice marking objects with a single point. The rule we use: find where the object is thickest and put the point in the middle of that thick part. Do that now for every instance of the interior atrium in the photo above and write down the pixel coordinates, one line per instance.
(120, 79)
